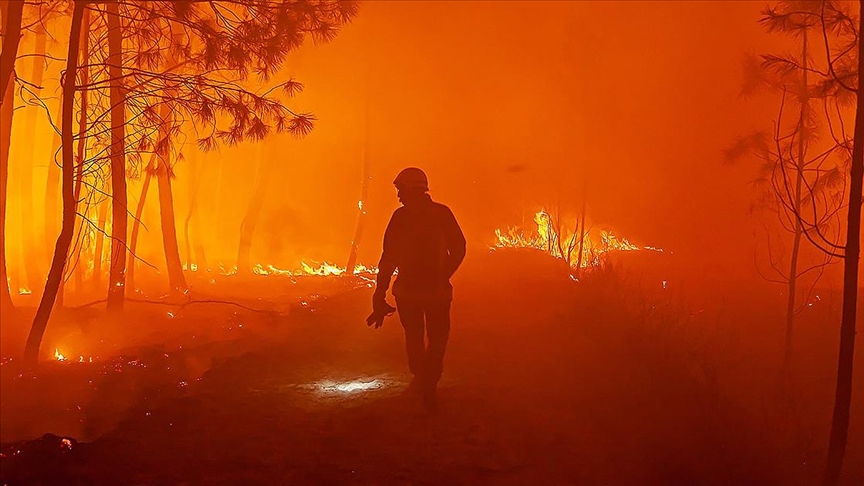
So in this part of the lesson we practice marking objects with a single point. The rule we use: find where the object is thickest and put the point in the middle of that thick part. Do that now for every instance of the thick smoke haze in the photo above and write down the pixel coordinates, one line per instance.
(231, 346)
(511, 106)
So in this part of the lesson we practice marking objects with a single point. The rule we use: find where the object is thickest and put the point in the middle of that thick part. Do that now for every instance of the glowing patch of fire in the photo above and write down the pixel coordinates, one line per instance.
(323, 269)
(579, 248)
(348, 387)
(58, 356)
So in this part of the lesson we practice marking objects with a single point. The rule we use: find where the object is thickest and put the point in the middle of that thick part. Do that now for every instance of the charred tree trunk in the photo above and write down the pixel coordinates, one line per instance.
(52, 190)
(582, 233)
(250, 220)
(195, 184)
(81, 152)
(64, 240)
(136, 222)
(117, 278)
(851, 255)
(198, 246)
(99, 247)
(6, 112)
(176, 279)
(799, 230)
(364, 194)
(31, 257)
(12, 13)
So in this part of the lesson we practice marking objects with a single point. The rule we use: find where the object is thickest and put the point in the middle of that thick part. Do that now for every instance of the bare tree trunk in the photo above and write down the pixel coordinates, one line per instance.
(582, 233)
(52, 190)
(117, 278)
(843, 397)
(12, 13)
(194, 184)
(51, 213)
(6, 112)
(31, 257)
(250, 220)
(364, 194)
(136, 222)
(81, 152)
(198, 246)
(64, 240)
(99, 248)
(176, 279)
(798, 232)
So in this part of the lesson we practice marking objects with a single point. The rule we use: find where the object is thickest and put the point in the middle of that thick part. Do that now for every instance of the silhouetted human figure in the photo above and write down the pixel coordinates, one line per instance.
(425, 243)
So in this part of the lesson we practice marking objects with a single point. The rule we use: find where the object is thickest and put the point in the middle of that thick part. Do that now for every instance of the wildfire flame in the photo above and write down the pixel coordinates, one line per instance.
(323, 269)
(549, 237)
(58, 356)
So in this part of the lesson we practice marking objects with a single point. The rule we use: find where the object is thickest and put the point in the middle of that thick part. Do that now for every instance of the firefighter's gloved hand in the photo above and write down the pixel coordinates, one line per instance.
(380, 310)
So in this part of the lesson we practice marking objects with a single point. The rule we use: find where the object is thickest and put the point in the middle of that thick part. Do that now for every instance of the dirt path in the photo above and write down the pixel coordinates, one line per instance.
(554, 394)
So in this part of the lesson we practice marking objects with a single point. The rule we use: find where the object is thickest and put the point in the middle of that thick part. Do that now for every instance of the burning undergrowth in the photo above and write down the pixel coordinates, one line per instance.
(582, 247)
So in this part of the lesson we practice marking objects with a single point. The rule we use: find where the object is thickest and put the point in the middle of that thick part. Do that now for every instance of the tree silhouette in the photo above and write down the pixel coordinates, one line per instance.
(838, 81)
(64, 240)
(801, 190)
(12, 14)
(179, 63)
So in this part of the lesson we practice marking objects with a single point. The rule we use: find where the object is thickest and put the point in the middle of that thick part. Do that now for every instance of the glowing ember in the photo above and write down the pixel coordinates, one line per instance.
(24, 291)
(66, 444)
(348, 387)
(227, 271)
(58, 356)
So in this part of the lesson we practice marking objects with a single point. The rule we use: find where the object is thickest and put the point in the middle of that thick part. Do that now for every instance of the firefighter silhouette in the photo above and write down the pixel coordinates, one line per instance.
(425, 243)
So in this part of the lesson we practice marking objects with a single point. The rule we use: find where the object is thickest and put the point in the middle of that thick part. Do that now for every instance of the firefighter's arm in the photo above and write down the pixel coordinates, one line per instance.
(387, 264)
(455, 245)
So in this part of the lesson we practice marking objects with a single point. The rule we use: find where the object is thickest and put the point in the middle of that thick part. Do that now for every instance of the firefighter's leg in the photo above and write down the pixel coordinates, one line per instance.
(437, 331)
(411, 316)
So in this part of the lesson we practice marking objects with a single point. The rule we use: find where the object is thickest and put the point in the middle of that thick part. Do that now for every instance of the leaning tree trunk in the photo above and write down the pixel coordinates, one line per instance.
(51, 213)
(31, 258)
(64, 240)
(136, 222)
(176, 279)
(52, 190)
(80, 156)
(117, 275)
(364, 194)
(250, 220)
(11, 13)
(851, 255)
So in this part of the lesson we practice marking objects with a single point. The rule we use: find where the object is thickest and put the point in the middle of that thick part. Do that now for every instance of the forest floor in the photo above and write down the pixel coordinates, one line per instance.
(546, 380)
